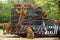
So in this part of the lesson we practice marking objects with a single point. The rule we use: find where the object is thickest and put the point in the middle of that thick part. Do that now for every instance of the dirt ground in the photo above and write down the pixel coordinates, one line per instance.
(14, 37)
(51, 38)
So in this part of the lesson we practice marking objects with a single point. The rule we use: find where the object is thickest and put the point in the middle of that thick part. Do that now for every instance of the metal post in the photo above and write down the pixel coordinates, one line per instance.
(43, 26)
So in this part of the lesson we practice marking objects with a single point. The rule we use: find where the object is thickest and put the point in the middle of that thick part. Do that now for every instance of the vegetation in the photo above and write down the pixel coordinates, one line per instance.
(50, 6)
(1, 25)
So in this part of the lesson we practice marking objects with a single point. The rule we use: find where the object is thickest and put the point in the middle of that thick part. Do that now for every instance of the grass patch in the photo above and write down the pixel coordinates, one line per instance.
(1, 32)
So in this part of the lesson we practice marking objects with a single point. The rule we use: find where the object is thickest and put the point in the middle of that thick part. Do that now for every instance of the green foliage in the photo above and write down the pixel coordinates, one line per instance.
(50, 6)
(1, 25)
(5, 11)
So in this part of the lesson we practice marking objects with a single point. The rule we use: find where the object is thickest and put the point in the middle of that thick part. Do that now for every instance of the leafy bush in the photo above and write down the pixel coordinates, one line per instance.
(50, 6)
